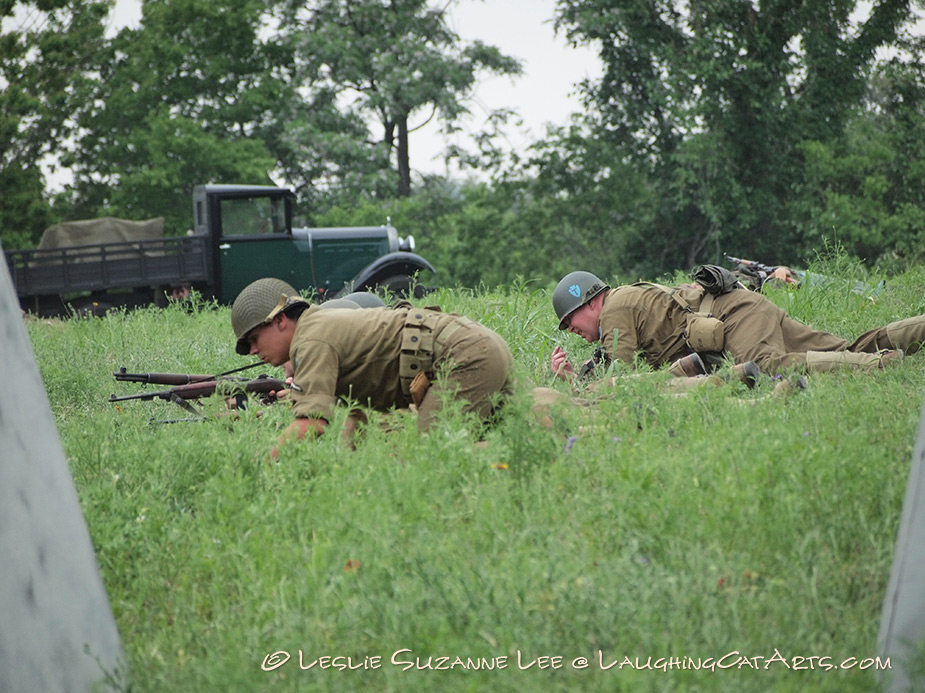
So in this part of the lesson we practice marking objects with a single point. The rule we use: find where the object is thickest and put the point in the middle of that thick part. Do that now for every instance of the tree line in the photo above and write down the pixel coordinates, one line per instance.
(764, 130)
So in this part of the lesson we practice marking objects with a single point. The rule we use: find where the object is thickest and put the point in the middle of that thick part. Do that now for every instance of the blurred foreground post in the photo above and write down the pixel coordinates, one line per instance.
(57, 631)
(902, 623)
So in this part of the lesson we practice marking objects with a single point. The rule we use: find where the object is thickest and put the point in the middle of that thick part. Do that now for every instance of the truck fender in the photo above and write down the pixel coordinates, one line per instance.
(392, 271)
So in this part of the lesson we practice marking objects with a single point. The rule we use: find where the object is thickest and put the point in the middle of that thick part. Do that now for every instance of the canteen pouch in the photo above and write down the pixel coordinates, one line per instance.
(704, 334)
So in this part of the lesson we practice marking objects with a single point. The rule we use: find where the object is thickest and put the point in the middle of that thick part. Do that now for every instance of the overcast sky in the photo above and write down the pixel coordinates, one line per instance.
(520, 28)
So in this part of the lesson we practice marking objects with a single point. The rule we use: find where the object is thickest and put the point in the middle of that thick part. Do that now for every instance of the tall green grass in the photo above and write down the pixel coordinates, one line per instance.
(644, 528)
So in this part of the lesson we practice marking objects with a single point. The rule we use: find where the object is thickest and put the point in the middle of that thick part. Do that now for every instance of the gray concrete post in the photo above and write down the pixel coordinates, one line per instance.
(57, 631)
(902, 621)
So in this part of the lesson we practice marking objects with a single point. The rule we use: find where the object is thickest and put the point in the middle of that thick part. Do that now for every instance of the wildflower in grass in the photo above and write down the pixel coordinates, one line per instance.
(569, 443)
(351, 566)
(499, 465)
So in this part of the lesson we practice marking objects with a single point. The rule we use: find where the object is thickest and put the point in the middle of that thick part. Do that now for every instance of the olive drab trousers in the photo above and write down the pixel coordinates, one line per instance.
(471, 363)
(755, 329)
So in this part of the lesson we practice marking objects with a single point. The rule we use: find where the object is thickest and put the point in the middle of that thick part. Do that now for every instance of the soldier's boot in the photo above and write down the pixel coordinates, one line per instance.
(821, 361)
(689, 366)
(790, 386)
(746, 373)
(908, 334)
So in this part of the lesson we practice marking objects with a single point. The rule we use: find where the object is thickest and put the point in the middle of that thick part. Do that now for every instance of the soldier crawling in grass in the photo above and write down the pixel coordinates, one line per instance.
(377, 357)
(664, 325)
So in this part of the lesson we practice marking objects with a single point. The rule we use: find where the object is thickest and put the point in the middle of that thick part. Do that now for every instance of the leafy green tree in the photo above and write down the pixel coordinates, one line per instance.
(46, 48)
(190, 96)
(388, 61)
(711, 100)
(867, 189)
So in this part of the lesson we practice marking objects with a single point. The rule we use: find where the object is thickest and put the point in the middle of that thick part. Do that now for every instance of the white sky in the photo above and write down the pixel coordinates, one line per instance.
(544, 93)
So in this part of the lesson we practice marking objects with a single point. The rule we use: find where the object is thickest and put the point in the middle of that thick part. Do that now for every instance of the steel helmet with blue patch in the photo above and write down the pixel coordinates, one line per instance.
(573, 291)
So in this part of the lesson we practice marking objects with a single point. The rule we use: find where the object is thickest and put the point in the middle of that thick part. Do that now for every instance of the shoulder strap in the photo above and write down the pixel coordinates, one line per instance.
(706, 305)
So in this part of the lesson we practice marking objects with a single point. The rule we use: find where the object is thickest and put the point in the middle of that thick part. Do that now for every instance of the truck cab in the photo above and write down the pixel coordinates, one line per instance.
(252, 237)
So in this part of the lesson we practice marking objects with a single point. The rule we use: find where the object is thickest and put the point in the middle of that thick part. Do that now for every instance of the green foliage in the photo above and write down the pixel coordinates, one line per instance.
(713, 105)
(646, 526)
(764, 130)
(24, 214)
(477, 233)
(390, 62)
(868, 186)
(191, 96)
(46, 51)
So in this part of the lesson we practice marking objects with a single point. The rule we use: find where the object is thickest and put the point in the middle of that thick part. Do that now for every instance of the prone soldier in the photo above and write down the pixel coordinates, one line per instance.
(663, 325)
(378, 357)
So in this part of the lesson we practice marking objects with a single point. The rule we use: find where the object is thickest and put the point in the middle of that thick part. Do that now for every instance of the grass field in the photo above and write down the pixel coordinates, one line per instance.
(650, 543)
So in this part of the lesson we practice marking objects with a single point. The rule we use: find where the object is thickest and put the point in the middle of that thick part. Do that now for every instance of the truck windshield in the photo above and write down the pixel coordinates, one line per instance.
(253, 216)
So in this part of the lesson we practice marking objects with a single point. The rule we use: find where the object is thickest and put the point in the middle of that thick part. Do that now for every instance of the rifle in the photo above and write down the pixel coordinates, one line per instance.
(587, 368)
(230, 387)
(752, 265)
(174, 378)
(760, 271)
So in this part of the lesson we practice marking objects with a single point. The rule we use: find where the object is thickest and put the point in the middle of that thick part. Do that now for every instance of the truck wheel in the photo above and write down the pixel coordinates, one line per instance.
(398, 284)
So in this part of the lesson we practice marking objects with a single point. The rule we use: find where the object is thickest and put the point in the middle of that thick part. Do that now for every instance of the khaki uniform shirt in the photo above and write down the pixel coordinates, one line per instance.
(644, 319)
(354, 355)
(343, 353)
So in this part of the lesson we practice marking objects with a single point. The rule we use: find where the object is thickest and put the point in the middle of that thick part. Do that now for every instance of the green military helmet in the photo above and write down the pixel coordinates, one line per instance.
(365, 299)
(340, 303)
(573, 291)
(257, 304)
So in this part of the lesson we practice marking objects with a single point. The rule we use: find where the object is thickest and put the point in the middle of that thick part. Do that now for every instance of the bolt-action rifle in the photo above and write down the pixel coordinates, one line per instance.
(753, 265)
(587, 368)
(175, 378)
(193, 387)
(759, 270)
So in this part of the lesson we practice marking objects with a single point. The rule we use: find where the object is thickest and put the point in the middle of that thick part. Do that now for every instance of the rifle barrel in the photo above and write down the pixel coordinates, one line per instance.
(175, 378)
(162, 378)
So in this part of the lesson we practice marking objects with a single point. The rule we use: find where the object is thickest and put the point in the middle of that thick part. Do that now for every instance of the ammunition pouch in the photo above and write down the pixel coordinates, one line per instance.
(704, 333)
(422, 344)
(417, 347)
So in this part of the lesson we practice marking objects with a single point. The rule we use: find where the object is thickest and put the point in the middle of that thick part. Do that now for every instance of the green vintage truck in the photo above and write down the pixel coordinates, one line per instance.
(240, 233)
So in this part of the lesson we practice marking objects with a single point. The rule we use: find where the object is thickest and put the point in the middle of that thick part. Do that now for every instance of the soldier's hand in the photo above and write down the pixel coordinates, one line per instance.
(277, 395)
(560, 364)
(784, 274)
